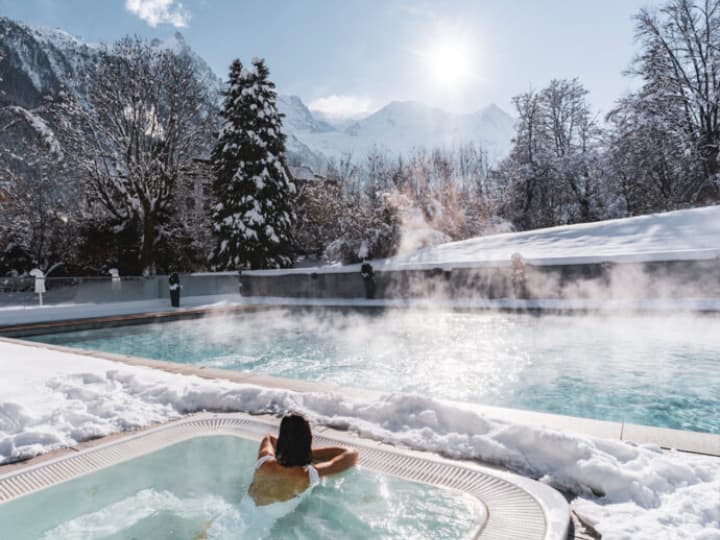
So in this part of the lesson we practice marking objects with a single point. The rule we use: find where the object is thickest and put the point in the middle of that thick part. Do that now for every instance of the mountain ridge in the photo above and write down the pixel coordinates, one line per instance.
(37, 62)
(400, 127)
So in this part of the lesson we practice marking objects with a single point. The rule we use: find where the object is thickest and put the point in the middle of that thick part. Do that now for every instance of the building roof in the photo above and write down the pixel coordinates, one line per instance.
(304, 173)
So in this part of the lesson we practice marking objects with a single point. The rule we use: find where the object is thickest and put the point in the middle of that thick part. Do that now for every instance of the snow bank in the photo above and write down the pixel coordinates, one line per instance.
(680, 235)
(51, 399)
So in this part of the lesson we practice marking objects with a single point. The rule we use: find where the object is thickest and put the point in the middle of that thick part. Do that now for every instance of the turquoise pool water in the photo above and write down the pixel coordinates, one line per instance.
(653, 370)
(178, 492)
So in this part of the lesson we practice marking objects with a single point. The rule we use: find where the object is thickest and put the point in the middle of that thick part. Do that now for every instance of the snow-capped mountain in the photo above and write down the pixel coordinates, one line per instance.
(37, 63)
(398, 128)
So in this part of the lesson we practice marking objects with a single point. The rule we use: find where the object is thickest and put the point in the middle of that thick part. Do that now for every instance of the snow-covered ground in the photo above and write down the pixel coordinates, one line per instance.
(11, 315)
(50, 399)
(17, 315)
(681, 235)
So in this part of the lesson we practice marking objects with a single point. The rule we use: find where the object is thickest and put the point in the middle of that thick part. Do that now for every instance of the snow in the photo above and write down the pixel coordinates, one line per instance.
(680, 235)
(53, 399)
(42, 129)
(10, 315)
(399, 127)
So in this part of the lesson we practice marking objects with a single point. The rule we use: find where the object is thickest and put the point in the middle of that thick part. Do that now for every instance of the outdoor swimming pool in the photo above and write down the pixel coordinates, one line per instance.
(652, 370)
(199, 485)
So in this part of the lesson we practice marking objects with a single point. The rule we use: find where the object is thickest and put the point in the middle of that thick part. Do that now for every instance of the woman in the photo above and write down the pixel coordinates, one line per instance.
(288, 465)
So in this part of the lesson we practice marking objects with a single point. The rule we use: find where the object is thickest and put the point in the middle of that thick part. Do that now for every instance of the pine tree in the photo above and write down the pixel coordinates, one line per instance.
(253, 218)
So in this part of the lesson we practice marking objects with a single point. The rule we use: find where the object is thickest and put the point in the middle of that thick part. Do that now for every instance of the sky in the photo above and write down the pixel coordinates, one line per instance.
(348, 58)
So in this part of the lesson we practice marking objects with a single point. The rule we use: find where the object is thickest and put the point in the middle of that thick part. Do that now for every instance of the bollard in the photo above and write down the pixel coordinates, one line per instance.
(174, 285)
(39, 283)
(519, 278)
(368, 276)
(115, 283)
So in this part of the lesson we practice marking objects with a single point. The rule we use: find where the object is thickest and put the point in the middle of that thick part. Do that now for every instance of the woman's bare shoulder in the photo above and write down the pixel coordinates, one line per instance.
(272, 468)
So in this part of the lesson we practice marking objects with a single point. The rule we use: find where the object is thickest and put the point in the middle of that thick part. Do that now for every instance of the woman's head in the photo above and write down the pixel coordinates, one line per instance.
(294, 444)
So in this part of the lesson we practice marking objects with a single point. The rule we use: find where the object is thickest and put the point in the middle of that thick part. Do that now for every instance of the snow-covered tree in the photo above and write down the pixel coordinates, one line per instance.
(149, 114)
(552, 175)
(648, 167)
(253, 215)
(319, 208)
(669, 130)
(37, 211)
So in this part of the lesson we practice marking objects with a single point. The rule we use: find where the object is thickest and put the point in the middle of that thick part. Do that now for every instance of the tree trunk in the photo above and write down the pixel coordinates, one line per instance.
(147, 251)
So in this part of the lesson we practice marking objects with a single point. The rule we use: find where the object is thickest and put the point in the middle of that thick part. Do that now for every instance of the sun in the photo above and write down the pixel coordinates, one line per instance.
(450, 62)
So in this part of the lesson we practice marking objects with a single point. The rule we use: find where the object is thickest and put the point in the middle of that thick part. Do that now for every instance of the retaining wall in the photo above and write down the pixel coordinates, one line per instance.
(647, 280)
(670, 279)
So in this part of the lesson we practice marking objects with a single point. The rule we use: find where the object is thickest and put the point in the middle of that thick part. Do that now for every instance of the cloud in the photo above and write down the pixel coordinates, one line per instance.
(156, 12)
(340, 107)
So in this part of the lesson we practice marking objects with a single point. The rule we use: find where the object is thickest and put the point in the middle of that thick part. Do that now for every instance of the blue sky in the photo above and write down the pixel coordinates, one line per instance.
(352, 56)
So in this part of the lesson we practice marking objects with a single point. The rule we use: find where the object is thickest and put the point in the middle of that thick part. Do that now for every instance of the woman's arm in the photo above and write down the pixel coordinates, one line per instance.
(334, 459)
(267, 446)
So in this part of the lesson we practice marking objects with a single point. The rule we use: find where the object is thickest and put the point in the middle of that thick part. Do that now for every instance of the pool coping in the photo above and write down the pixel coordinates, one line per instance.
(511, 507)
(685, 441)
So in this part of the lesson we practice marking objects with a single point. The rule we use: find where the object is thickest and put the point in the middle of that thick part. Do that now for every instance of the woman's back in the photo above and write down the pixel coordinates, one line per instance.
(288, 464)
(274, 483)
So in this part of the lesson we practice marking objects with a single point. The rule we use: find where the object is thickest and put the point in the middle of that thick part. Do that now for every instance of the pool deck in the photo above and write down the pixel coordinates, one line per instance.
(13, 318)
(685, 441)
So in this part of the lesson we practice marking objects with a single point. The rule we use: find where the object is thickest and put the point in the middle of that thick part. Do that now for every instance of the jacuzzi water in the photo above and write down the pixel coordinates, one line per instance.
(652, 370)
(195, 486)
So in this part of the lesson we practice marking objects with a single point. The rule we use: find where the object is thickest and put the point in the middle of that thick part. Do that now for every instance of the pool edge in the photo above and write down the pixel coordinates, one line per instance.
(670, 439)
(516, 508)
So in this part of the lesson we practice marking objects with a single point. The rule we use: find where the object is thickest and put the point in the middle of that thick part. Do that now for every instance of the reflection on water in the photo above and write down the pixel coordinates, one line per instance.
(655, 370)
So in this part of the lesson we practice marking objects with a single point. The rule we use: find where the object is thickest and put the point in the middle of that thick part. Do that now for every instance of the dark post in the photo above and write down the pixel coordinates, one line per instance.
(174, 283)
(519, 279)
(368, 276)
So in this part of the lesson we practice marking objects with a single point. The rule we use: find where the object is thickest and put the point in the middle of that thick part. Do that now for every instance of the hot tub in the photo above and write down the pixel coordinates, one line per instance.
(178, 480)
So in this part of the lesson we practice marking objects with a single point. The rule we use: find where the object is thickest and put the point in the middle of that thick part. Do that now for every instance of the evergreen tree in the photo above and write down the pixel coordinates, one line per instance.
(253, 218)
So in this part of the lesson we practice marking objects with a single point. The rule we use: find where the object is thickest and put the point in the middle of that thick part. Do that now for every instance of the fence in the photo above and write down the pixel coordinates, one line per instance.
(99, 290)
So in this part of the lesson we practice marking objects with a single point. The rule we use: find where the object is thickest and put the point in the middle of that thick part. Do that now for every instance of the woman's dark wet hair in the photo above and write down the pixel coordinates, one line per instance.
(294, 444)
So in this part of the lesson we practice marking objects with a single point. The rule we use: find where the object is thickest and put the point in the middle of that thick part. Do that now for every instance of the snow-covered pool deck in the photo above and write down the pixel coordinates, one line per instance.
(59, 397)
(686, 441)
(13, 318)
(512, 507)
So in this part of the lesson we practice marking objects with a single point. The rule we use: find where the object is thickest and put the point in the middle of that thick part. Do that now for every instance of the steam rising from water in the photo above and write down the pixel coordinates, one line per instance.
(624, 487)
(649, 370)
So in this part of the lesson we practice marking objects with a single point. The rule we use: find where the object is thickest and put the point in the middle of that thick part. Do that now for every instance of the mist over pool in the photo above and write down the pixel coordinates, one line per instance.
(650, 370)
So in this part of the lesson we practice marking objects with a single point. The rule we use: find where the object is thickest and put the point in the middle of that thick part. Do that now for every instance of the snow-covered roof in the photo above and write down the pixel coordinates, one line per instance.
(306, 174)
(302, 173)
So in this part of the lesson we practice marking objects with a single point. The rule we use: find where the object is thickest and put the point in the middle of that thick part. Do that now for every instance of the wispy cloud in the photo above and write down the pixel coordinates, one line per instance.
(156, 12)
(341, 107)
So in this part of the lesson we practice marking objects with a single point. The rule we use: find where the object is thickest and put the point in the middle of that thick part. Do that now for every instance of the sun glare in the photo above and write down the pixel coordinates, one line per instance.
(450, 62)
